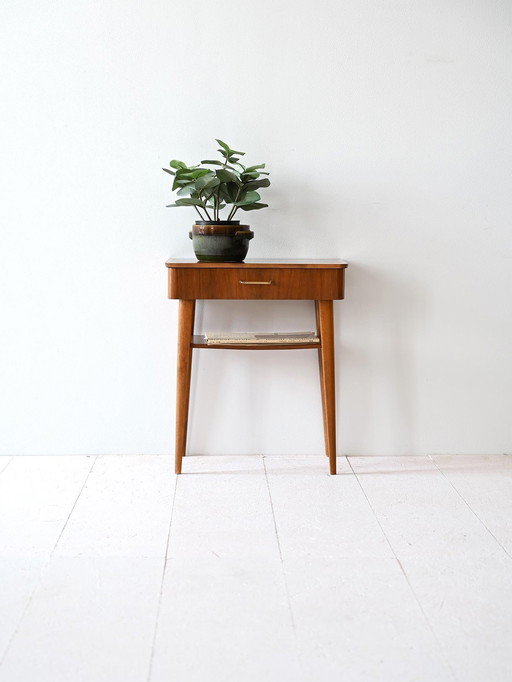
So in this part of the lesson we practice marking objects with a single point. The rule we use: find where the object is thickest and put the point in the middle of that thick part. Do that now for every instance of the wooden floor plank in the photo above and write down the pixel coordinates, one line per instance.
(99, 593)
(90, 619)
(222, 509)
(37, 495)
(225, 619)
(485, 484)
(321, 515)
(132, 495)
(356, 619)
(418, 509)
(457, 570)
(224, 612)
(396, 569)
(19, 578)
(468, 602)
(352, 607)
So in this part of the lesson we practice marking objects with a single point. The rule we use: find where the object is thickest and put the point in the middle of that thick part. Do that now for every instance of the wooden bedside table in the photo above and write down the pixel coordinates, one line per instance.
(321, 281)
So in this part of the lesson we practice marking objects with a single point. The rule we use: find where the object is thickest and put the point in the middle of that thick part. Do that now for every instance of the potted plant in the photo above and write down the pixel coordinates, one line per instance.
(212, 186)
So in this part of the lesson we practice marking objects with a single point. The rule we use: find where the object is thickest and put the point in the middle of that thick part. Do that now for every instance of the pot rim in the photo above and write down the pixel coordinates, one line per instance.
(217, 222)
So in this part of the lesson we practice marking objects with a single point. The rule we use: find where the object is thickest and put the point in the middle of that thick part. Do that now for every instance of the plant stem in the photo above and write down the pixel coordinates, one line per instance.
(235, 208)
(208, 216)
(199, 213)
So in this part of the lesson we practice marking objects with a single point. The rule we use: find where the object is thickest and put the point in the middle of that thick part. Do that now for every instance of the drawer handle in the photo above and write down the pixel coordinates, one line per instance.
(244, 282)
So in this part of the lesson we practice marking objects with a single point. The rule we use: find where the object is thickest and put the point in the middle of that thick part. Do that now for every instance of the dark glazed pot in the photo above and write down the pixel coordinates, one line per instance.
(221, 241)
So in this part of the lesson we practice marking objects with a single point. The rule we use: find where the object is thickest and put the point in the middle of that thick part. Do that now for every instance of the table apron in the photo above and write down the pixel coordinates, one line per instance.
(256, 284)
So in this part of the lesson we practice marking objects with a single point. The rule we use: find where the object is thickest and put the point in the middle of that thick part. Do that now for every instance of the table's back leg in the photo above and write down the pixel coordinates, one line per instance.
(325, 322)
(321, 373)
(186, 310)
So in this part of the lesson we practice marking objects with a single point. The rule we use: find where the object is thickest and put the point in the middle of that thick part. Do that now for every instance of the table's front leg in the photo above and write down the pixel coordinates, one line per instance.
(186, 310)
(325, 328)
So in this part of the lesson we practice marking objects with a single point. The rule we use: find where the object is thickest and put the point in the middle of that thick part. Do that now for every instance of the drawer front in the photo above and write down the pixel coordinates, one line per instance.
(256, 283)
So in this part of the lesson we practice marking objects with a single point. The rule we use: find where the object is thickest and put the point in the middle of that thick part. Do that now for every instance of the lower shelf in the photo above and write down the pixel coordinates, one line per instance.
(198, 341)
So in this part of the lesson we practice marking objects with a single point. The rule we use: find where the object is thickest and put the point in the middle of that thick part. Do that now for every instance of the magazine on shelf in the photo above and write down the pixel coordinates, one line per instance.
(260, 338)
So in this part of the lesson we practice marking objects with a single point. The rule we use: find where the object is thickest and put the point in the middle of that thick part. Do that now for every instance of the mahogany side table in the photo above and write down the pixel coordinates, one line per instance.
(321, 281)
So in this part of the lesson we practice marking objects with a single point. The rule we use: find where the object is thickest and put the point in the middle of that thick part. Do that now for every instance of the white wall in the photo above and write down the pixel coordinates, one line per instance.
(387, 129)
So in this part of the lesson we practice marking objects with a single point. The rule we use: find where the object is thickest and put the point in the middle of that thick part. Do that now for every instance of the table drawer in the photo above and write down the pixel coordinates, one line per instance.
(256, 283)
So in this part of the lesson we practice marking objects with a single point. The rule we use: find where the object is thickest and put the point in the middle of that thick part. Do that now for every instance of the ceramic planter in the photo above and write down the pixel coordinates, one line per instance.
(220, 241)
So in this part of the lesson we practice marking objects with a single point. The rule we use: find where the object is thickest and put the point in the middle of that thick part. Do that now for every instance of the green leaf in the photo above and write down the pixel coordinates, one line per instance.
(204, 177)
(177, 164)
(200, 172)
(248, 198)
(224, 146)
(184, 174)
(228, 176)
(168, 171)
(178, 183)
(253, 207)
(256, 184)
(207, 182)
(252, 177)
(253, 168)
(182, 180)
(232, 191)
(231, 168)
(186, 191)
(188, 202)
(233, 159)
(214, 163)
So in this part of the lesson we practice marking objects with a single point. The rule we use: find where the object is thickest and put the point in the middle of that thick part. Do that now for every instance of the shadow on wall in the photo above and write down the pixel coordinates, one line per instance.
(378, 332)
(378, 361)
(250, 400)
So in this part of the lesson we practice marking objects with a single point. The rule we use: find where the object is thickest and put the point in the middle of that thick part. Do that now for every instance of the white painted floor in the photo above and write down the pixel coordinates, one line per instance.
(255, 569)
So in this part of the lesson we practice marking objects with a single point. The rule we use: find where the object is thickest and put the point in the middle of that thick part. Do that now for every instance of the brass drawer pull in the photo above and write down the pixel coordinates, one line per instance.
(244, 282)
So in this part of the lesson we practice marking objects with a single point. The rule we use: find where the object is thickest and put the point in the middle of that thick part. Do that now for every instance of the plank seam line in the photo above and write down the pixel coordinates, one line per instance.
(43, 569)
(470, 507)
(422, 611)
(160, 596)
(285, 582)
(9, 460)
(74, 505)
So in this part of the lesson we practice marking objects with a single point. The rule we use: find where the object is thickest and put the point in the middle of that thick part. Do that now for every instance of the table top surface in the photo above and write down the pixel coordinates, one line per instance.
(261, 263)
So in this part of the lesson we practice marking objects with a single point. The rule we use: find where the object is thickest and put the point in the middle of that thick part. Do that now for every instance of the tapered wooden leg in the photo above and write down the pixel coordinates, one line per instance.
(320, 370)
(326, 330)
(186, 310)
